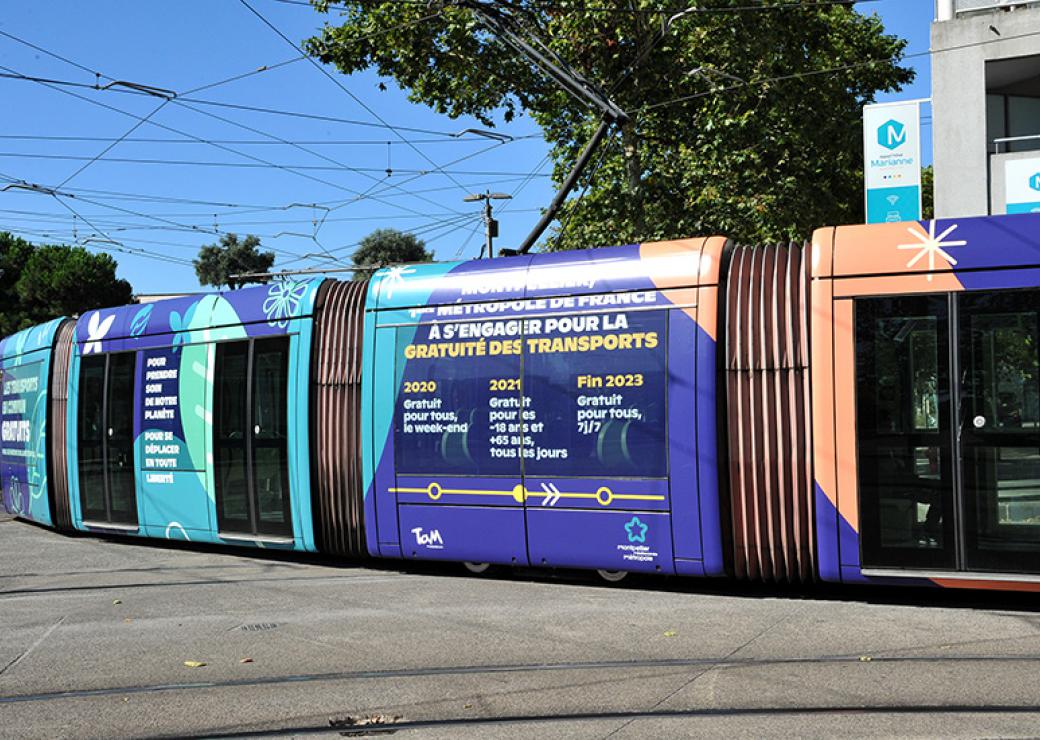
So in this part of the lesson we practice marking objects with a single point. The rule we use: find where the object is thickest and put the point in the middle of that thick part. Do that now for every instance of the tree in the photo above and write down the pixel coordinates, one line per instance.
(14, 253)
(743, 121)
(216, 263)
(42, 283)
(389, 247)
(928, 193)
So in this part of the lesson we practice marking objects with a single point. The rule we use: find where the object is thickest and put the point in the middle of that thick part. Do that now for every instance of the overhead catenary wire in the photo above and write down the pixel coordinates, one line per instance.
(452, 221)
(264, 165)
(11, 75)
(49, 217)
(133, 195)
(423, 173)
(366, 193)
(222, 147)
(360, 195)
(59, 195)
(829, 70)
(301, 57)
(363, 171)
(241, 209)
(345, 89)
(256, 142)
(447, 225)
(115, 245)
(114, 144)
(736, 86)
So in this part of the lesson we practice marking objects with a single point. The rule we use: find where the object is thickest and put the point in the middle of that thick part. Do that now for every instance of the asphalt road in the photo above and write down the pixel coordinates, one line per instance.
(95, 633)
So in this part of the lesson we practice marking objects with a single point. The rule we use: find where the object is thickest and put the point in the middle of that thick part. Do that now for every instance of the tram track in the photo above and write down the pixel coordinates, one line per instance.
(459, 723)
(438, 671)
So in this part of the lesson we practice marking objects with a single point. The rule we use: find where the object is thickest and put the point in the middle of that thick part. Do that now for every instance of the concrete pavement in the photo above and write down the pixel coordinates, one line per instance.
(95, 634)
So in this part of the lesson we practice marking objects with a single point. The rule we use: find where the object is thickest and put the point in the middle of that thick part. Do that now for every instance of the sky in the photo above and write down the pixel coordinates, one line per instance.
(310, 184)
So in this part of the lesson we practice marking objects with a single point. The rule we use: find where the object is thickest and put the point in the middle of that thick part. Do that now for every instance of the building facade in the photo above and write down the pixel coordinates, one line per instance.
(986, 107)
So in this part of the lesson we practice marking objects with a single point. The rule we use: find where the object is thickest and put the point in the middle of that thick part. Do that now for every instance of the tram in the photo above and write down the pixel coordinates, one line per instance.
(864, 408)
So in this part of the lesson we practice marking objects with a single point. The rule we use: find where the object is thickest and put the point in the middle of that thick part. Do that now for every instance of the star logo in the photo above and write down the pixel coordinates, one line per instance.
(636, 530)
(929, 245)
(395, 278)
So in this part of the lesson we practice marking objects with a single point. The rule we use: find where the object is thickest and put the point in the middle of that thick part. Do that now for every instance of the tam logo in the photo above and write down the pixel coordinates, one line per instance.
(1034, 181)
(431, 539)
(891, 134)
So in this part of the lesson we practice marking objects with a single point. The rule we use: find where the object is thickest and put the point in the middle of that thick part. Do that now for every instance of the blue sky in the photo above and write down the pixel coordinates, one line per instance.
(155, 208)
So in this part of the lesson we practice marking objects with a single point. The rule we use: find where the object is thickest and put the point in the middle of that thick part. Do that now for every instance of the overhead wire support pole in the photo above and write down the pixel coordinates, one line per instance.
(578, 87)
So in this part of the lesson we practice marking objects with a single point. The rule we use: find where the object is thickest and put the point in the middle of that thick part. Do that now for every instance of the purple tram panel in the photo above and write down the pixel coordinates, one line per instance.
(545, 410)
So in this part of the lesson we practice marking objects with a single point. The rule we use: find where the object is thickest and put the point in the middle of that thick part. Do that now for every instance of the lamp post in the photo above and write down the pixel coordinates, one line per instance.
(490, 224)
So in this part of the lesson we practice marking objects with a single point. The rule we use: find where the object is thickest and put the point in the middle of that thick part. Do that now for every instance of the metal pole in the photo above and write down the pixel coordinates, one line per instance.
(487, 226)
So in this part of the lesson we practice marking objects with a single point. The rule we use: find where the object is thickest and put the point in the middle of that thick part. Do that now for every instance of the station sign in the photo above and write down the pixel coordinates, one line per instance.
(1022, 185)
(892, 162)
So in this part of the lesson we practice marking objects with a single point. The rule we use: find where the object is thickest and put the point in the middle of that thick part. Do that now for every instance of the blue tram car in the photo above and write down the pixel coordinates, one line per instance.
(692, 407)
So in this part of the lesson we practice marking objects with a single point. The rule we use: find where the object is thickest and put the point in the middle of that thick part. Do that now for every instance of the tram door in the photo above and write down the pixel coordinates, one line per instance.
(1000, 430)
(251, 438)
(948, 421)
(106, 439)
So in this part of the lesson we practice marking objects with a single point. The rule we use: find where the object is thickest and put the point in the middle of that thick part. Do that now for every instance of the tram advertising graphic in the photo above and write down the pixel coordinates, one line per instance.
(577, 396)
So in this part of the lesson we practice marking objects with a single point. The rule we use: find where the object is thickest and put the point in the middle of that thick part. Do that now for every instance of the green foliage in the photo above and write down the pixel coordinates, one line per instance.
(216, 263)
(761, 161)
(14, 253)
(928, 193)
(389, 247)
(42, 283)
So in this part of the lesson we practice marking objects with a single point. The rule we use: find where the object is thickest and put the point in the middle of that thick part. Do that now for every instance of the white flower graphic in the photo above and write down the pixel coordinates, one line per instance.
(931, 245)
(96, 331)
(283, 301)
(395, 277)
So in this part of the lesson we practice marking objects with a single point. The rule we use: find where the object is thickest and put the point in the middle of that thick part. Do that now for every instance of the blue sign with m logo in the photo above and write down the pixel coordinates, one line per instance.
(891, 134)
(1034, 181)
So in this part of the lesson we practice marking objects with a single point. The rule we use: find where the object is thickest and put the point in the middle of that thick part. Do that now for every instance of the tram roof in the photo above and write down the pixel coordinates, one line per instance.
(683, 263)
(267, 309)
(943, 248)
(29, 340)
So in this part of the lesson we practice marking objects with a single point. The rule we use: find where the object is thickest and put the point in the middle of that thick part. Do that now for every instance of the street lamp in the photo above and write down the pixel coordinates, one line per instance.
(490, 224)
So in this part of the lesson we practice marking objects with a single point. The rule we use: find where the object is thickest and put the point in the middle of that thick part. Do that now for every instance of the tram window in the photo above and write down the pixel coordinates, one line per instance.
(251, 437)
(231, 469)
(902, 410)
(1004, 357)
(457, 414)
(271, 434)
(906, 367)
(600, 411)
(121, 483)
(91, 437)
